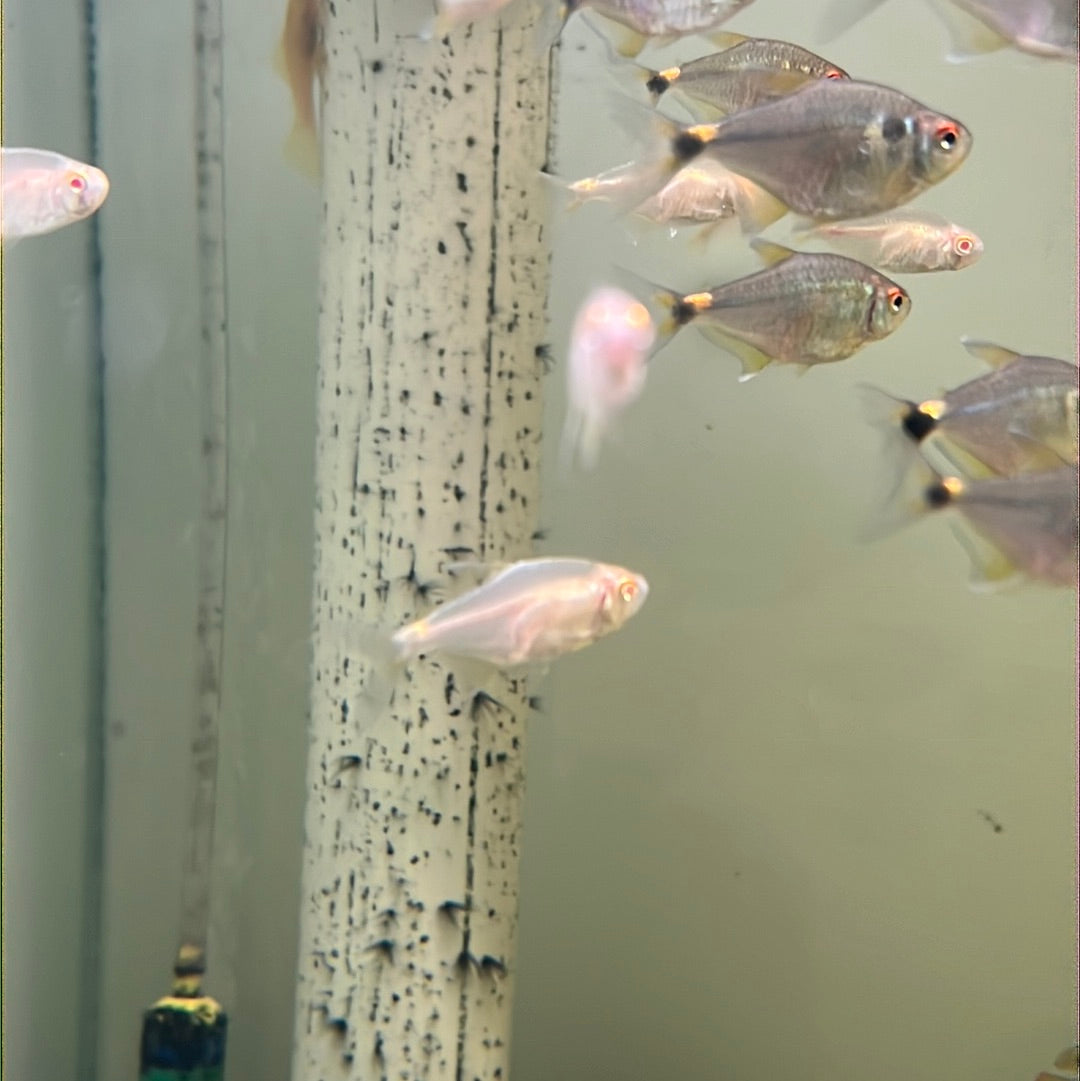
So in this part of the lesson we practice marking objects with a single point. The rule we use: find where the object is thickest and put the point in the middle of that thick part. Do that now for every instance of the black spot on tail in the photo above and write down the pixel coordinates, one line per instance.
(682, 313)
(938, 495)
(657, 85)
(686, 146)
(917, 424)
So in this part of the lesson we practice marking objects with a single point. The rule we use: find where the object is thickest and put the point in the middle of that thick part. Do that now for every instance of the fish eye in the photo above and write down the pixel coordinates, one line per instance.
(628, 590)
(947, 136)
(834, 74)
(77, 183)
(964, 245)
(896, 298)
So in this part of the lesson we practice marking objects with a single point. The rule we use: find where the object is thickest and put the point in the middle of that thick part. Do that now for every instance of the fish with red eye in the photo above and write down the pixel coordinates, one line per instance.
(43, 191)
(901, 241)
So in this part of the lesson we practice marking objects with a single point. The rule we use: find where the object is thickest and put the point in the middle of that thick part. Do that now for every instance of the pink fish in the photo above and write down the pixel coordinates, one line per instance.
(528, 613)
(609, 347)
(43, 191)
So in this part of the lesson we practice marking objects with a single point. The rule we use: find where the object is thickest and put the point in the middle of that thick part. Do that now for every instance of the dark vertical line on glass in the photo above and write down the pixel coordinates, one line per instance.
(210, 180)
(88, 1028)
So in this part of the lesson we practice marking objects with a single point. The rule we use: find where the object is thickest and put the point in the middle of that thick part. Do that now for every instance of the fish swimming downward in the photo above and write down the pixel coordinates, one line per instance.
(529, 612)
(1018, 527)
(605, 372)
(1020, 417)
(748, 72)
(804, 308)
(41, 191)
(901, 241)
(298, 61)
(836, 148)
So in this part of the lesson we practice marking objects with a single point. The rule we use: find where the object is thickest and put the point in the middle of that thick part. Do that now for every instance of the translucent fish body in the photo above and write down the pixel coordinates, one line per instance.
(751, 72)
(809, 308)
(528, 613)
(43, 191)
(836, 148)
(903, 242)
(1046, 28)
(1016, 419)
(664, 18)
(1030, 522)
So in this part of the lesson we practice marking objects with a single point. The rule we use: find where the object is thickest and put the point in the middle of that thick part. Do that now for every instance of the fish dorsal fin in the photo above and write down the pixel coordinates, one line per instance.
(997, 356)
(770, 252)
(753, 359)
(725, 39)
(969, 36)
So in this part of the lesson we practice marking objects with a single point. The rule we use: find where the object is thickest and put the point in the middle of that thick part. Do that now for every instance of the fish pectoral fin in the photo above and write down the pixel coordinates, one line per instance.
(968, 35)
(770, 252)
(753, 359)
(997, 356)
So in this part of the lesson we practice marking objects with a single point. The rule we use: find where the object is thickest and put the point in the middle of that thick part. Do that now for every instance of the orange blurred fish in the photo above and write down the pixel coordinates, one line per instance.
(299, 60)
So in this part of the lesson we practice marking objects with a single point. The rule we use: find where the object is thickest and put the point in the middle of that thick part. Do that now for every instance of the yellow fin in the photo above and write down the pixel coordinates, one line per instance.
(770, 252)
(725, 39)
(760, 210)
(753, 359)
(970, 37)
(997, 356)
(990, 567)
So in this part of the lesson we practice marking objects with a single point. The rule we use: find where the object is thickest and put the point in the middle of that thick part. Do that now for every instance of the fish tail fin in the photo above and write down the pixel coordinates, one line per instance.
(841, 15)
(302, 150)
(663, 304)
(888, 415)
(907, 501)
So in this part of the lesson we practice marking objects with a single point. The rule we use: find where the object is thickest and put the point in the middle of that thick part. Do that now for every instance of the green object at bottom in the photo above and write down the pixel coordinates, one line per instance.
(183, 1039)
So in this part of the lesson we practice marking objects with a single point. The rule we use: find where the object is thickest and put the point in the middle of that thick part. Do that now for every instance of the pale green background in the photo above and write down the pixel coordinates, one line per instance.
(753, 839)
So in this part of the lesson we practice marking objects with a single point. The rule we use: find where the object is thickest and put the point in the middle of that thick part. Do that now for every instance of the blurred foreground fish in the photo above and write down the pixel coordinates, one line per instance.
(661, 20)
(1046, 28)
(748, 72)
(1019, 418)
(41, 191)
(1024, 526)
(836, 148)
(299, 60)
(452, 13)
(528, 613)
(902, 241)
(609, 346)
(804, 308)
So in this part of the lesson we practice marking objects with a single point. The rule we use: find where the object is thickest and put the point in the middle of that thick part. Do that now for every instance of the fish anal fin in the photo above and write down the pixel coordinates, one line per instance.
(770, 252)
(991, 569)
(753, 359)
(759, 210)
(997, 356)
(1038, 454)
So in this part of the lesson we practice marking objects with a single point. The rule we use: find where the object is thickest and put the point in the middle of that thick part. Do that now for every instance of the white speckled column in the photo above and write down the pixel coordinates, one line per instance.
(434, 279)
